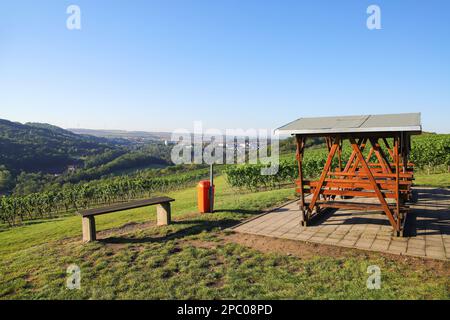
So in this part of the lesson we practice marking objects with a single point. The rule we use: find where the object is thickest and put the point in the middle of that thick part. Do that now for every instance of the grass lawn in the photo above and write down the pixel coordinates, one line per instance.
(441, 180)
(194, 259)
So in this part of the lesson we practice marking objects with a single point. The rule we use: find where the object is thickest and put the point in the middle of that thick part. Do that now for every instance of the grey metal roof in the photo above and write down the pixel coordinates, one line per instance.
(409, 122)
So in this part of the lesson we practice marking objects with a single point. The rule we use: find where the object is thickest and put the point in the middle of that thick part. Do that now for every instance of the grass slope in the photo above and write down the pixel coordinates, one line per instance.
(441, 180)
(190, 260)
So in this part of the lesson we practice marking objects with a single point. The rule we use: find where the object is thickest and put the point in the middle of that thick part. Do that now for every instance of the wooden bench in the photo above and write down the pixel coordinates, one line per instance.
(88, 216)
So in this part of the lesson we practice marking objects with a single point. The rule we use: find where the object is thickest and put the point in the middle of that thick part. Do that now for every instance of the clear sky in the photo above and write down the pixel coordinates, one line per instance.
(160, 65)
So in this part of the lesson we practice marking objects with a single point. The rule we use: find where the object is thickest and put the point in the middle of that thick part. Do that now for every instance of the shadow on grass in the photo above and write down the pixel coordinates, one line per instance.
(25, 223)
(197, 227)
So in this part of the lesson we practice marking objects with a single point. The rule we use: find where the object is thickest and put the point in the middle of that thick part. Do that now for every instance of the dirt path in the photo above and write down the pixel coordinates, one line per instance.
(306, 250)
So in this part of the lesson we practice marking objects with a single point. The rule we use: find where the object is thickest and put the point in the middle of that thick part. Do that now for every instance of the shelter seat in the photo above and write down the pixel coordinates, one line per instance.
(360, 206)
(405, 175)
(374, 174)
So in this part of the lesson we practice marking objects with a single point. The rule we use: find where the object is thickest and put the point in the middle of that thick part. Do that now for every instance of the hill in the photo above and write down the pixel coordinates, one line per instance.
(134, 136)
(35, 147)
(34, 155)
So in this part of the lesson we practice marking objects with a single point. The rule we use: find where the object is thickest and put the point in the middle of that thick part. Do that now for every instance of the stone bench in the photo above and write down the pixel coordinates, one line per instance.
(88, 216)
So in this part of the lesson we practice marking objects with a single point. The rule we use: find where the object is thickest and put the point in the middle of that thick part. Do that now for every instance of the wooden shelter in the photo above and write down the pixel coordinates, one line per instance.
(382, 172)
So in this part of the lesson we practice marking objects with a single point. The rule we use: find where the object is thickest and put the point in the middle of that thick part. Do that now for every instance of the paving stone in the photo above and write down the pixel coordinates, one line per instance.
(351, 239)
(381, 237)
(317, 239)
(416, 244)
(435, 254)
(396, 250)
(290, 235)
(322, 234)
(332, 241)
(362, 243)
(380, 245)
(432, 248)
(303, 236)
(347, 242)
(336, 236)
(431, 240)
(396, 243)
(416, 252)
(369, 237)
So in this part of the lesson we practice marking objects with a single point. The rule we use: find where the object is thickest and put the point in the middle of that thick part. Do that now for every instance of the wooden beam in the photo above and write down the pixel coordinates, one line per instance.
(373, 182)
(353, 193)
(407, 175)
(363, 146)
(324, 174)
(391, 153)
(300, 141)
(397, 180)
(384, 162)
(361, 206)
(341, 183)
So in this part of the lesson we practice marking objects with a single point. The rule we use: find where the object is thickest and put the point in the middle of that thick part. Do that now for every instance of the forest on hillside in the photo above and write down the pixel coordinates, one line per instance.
(34, 156)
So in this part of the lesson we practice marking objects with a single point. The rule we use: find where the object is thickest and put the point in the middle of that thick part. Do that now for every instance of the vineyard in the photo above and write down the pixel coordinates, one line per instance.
(15, 209)
(430, 153)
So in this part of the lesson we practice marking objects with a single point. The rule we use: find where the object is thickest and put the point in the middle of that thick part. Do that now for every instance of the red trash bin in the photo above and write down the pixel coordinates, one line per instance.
(203, 196)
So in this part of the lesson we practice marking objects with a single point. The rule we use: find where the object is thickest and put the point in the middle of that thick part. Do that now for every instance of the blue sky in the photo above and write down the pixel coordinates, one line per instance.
(160, 65)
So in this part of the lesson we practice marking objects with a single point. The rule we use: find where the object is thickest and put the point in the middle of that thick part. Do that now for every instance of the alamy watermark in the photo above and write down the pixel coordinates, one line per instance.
(374, 280)
(73, 21)
(374, 20)
(73, 281)
(232, 146)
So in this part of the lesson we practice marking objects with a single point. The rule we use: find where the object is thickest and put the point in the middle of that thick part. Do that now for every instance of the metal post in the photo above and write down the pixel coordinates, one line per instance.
(211, 190)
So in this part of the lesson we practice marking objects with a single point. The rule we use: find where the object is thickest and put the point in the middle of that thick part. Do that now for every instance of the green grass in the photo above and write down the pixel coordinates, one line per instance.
(165, 262)
(441, 180)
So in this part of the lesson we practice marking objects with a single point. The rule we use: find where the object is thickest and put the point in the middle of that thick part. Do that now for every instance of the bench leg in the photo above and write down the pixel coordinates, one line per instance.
(163, 214)
(88, 224)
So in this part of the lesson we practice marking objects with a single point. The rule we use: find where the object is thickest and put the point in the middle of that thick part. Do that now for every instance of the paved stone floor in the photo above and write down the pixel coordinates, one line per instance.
(427, 227)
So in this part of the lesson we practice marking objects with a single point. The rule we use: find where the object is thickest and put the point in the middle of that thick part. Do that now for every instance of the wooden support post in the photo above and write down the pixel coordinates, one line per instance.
(369, 155)
(373, 182)
(361, 147)
(325, 170)
(384, 162)
(340, 156)
(328, 142)
(391, 153)
(339, 162)
(404, 151)
(299, 155)
(397, 185)
(163, 214)
(88, 226)
(351, 159)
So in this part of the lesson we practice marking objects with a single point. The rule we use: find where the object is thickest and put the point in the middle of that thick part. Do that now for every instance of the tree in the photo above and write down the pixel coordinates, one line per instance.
(6, 179)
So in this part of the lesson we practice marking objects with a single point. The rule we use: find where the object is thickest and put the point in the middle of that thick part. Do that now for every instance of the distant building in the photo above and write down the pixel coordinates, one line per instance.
(71, 168)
